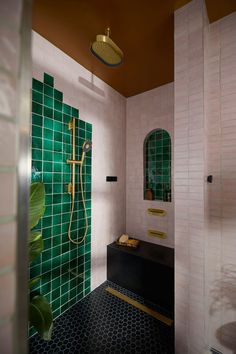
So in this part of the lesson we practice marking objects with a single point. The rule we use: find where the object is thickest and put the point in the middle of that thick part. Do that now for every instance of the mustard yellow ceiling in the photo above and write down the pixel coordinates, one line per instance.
(143, 30)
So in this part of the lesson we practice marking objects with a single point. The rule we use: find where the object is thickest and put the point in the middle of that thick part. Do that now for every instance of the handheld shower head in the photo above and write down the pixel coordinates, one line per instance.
(87, 146)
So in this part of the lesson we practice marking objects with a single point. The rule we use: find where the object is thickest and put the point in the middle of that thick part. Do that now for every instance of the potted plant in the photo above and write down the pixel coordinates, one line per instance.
(40, 313)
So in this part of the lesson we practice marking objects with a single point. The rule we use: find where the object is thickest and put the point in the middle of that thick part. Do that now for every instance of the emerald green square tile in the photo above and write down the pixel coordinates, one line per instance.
(46, 255)
(57, 126)
(58, 157)
(56, 241)
(87, 290)
(47, 166)
(37, 108)
(37, 85)
(82, 134)
(57, 208)
(58, 116)
(88, 135)
(48, 112)
(65, 288)
(57, 166)
(56, 262)
(36, 154)
(66, 120)
(56, 294)
(65, 248)
(66, 109)
(57, 218)
(48, 123)
(47, 232)
(48, 101)
(81, 125)
(46, 266)
(47, 243)
(35, 271)
(57, 304)
(58, 136)
(89, 127)
(38, 165)
(58, 105)
(47, 155)
(57, 188)
(37, 97)
(48, 134)
(48, 79)
(47, 221)
(48, 144)
(57, 177)
(56, 251)
(37, 131)
(48, 90)
(64, 307)
(58, 95)
(56, 282)
(37, 143)
(56, 198)
(37, 119)
(57, 146)
(66, 140)
(75, 112)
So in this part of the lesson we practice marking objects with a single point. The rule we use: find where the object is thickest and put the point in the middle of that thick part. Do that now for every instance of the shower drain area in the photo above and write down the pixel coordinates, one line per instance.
(103, 323)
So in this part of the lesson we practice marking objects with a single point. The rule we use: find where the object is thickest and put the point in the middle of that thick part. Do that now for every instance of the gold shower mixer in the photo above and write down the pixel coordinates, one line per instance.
(71, 186)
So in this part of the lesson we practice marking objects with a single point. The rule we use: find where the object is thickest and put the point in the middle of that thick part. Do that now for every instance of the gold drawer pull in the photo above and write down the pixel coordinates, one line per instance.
(157, 212)
(156, 233)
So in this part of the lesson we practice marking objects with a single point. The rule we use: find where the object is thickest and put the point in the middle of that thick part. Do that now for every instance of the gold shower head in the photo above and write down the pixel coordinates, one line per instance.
(106, 50)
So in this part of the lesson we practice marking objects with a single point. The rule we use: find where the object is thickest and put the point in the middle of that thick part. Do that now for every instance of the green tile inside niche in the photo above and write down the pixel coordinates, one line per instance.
(158, 164)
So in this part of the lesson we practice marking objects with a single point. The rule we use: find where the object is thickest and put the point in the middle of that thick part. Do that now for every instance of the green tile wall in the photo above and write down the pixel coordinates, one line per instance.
(65, 268)
(157, 165)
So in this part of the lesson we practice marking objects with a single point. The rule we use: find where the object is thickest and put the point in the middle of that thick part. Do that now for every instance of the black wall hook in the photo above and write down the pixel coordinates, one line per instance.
(210, 179)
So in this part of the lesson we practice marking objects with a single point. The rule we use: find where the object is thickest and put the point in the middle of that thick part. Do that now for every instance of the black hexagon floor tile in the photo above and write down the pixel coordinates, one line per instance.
(102, 323)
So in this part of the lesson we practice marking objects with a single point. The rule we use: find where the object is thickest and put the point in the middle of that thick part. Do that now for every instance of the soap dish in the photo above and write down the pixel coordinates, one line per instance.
(131, 242)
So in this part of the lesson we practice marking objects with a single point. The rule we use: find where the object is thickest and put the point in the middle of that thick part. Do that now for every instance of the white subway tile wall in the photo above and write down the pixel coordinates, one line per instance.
(145, 112)
(10, 16)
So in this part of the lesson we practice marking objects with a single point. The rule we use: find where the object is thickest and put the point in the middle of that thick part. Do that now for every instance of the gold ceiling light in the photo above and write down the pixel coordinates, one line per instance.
(106, 50)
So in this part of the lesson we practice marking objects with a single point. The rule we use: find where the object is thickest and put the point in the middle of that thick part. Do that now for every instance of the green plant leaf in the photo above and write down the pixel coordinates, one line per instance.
(40, 315)
(36, 203)
(34, 281)
(35, 245)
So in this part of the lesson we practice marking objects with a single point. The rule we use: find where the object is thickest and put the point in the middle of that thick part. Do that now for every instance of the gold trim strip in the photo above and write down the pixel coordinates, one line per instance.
(140, 306)
(156, 212)
(156, 233)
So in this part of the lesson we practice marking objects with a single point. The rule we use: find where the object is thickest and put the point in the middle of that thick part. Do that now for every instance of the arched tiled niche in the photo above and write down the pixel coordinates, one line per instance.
(157, 165)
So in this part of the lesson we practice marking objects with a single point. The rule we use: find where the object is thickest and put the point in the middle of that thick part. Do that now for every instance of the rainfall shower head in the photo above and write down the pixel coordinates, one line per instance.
(106, 50)
(87, 146)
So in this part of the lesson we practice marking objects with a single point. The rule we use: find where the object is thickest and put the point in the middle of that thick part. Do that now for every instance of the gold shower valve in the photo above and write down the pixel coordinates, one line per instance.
(69, 188)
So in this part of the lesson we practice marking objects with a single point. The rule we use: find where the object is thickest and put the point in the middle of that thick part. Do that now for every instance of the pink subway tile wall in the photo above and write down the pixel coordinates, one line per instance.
(10, 16)
(189, 165)
(145, 112)
(220, 105)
